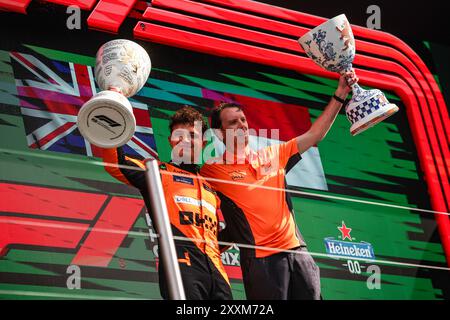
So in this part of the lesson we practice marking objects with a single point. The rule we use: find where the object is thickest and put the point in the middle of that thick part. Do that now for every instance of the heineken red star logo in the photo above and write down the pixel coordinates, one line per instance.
(345, 231)
(348, 249)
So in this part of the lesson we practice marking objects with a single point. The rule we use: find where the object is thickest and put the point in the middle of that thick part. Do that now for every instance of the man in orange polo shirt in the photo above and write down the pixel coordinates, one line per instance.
(192, 206)
(257, 210)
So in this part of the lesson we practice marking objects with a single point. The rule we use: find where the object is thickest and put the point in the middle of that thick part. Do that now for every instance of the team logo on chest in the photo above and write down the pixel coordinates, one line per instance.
(237, 175)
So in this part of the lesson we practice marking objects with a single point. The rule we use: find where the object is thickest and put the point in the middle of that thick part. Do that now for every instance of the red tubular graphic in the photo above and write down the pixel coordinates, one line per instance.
(439, 114)
(442, 123)
(83, 4)
(369, 34)
(231, 16)
(109, 15)
(263, 38)
(196, 42)
(155, 14)
(19, 6)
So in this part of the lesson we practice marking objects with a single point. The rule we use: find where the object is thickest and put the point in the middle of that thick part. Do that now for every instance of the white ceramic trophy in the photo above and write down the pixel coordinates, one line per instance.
(121, 70)
(332, 46)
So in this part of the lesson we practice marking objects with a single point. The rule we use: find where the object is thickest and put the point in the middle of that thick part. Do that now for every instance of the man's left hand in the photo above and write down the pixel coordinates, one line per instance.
(345, 82)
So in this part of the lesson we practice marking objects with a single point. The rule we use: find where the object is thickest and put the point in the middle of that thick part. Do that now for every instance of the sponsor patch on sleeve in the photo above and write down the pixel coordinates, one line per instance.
(185, 180)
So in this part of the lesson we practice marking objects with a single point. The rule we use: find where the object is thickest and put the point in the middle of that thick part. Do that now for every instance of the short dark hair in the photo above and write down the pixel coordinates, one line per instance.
(216, 123)
(187, 116)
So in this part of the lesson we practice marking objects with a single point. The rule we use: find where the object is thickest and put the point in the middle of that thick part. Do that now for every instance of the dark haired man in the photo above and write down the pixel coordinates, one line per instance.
(192, 206)
(256, 208)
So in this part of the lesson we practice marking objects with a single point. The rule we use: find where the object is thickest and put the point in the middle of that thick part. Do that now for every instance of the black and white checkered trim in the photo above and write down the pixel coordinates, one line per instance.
(364, 109)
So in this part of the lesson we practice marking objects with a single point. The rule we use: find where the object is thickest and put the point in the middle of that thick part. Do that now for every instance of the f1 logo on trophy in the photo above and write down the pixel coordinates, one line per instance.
(332, 46)
(121, 69)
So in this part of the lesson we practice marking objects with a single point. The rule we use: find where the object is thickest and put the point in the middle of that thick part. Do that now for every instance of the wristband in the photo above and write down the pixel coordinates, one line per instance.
(338, 99)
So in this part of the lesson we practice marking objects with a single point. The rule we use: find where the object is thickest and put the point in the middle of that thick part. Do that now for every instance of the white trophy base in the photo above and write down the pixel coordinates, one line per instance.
(367, 108)
(107, 120)
(374, 118)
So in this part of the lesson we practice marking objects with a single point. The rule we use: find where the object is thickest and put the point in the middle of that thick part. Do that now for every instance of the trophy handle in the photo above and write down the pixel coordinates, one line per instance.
(356, 88)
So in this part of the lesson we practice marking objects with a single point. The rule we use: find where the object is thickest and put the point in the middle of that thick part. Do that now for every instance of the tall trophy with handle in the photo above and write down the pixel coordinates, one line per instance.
(332, 46)
(121, 70)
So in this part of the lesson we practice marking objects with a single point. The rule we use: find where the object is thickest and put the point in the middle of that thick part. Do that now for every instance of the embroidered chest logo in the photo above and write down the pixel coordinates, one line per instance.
(237, 175)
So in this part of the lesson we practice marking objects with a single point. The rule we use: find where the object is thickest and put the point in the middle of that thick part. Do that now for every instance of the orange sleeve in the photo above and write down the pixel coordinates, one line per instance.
(110, 159)
(286, 151)
(128, 175)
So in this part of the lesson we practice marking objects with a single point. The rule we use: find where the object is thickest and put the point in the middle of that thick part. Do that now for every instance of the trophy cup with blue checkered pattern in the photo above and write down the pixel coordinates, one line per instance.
(332, 46)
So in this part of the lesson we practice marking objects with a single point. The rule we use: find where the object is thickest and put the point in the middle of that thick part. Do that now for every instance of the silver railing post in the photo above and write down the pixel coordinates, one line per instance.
(167, 250)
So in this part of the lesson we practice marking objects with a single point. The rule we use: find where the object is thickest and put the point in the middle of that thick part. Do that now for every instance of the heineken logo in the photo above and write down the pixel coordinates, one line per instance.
(349, 249)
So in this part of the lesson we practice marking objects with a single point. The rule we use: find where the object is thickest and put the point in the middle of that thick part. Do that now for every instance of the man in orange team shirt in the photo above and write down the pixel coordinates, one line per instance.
(263, 217)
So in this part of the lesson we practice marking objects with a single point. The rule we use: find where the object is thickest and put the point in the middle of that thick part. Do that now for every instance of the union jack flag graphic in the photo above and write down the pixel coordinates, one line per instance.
(52, 92)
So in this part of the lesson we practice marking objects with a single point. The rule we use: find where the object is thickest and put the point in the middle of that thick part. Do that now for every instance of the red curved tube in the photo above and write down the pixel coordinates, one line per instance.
(226, 48)
(369, 34)
(156, 14)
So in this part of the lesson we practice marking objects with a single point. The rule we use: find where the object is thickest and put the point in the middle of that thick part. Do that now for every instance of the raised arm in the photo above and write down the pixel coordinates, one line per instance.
(115, 157)
(323, 123)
